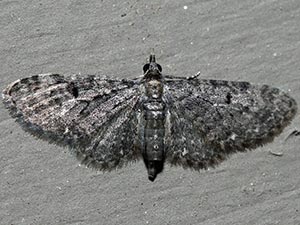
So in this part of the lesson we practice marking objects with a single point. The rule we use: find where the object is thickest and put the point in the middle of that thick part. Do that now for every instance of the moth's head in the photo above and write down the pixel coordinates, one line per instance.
(152, 70)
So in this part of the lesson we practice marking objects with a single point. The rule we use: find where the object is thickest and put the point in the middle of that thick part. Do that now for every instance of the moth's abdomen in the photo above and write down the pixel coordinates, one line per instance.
(154, 132)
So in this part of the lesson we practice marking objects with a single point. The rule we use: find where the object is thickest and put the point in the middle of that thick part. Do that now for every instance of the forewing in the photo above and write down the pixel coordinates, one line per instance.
(78, 111)
(209, 119)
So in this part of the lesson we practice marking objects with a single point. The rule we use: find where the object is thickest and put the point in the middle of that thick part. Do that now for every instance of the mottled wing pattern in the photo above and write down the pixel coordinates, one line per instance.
(209, 119)
(94, 116)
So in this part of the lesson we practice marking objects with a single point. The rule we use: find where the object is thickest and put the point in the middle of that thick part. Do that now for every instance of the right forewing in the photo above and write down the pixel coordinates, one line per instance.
(209, 119)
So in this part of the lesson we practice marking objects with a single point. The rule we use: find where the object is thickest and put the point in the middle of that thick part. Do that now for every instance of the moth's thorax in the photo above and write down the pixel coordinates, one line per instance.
(154, 89)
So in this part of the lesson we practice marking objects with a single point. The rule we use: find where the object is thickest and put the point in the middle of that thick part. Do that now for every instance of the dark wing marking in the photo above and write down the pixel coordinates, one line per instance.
(209, 119)
(94, 116)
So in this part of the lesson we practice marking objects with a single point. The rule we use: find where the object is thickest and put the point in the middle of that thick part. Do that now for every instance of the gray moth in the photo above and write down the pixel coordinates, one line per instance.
(185, 121)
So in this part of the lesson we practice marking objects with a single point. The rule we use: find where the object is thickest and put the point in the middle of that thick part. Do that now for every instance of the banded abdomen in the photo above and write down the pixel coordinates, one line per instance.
(154, 128)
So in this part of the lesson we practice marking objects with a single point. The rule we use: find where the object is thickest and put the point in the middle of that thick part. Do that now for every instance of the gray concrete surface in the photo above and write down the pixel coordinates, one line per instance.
(251, 40)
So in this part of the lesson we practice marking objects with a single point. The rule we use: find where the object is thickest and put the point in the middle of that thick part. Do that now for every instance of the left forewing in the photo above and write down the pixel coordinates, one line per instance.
(77, 111)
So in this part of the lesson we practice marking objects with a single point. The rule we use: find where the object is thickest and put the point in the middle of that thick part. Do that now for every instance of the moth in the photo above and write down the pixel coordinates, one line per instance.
(185, 121)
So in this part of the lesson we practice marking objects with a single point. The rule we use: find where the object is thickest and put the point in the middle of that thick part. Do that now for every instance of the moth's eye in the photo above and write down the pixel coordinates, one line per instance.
(146, 67)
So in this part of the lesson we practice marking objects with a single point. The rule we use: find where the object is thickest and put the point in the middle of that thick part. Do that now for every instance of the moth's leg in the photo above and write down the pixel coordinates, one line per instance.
(194, 76)
(140, 77)
(293, 134)
(182, 78)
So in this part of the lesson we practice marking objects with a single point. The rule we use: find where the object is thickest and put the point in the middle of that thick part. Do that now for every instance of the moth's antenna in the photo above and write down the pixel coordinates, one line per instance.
(152, 56)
